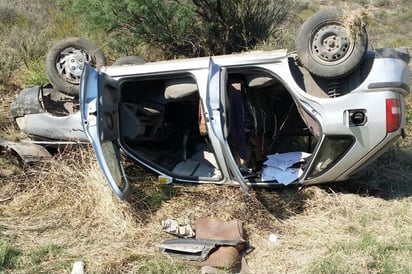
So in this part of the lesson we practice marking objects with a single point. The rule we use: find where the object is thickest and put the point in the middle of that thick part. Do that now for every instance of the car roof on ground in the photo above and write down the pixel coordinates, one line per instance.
(253, 57)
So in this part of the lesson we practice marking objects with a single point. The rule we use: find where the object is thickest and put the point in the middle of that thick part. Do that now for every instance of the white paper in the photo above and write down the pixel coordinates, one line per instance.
(284, 177)
(285, 160)
(278, 167)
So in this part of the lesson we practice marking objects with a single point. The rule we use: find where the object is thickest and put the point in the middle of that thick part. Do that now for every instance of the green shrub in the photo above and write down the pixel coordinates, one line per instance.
(183, 28)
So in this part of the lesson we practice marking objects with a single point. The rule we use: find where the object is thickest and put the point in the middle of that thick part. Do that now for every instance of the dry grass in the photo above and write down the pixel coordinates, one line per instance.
(355, 20)
(66, 203)
(59, 202)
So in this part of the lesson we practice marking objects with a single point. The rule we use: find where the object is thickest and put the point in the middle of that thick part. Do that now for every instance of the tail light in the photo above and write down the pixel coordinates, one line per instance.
(393, 114)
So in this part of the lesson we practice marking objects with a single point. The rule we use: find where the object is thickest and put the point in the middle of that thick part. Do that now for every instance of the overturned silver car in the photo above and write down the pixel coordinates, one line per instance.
(259, 118)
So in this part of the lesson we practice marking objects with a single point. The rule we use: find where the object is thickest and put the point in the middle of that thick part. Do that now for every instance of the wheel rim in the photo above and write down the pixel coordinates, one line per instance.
(70, 63)
(331, 44)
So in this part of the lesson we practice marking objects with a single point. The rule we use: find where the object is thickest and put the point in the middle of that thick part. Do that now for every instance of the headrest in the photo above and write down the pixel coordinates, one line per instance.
(179, 88)
(258, 81)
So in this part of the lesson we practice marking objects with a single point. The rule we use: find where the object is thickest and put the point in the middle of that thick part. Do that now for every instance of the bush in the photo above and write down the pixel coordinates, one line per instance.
(25, 36)
(9, 61)
(184, 28)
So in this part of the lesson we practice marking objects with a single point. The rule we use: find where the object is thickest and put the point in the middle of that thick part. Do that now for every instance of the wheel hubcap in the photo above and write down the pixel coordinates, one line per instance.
(70, 64)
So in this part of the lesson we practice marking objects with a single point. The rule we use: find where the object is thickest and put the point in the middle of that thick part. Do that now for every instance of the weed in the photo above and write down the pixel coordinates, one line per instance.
(22, 41)
(364, 2)
(9, 61)
(8, 168)
(158, 196)
(35, 75)
(46, 252)
(383, 3)
(162, 265)
(9, 255)
(14, 258)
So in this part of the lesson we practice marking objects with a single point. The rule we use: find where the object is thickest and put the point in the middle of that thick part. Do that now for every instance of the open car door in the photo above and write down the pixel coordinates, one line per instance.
(99, 98)
(219, 116)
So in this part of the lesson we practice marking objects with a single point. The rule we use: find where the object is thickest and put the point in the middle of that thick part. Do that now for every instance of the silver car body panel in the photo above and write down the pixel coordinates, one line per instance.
(216, 89)
(388, 79)
(67, 128)
(332, 113)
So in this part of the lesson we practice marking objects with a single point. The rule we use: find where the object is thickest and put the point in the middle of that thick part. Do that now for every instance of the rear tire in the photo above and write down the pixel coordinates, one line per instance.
(330, 48)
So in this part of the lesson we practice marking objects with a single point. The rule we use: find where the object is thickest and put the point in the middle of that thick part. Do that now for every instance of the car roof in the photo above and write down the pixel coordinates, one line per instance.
(238, 59)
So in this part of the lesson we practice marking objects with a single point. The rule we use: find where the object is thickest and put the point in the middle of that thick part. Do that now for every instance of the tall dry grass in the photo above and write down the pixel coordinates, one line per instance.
(65, 201)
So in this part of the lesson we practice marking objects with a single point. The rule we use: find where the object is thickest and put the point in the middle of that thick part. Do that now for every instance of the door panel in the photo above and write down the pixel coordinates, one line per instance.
(219, 117)
(99, 98)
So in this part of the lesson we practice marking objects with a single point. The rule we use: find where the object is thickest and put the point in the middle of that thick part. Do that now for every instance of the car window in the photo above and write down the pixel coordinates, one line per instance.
(330, 152)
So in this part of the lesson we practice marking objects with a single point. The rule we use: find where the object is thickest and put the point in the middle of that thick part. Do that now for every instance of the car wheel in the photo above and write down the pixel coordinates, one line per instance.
(330, 46)
(65, 61)
(129, 60)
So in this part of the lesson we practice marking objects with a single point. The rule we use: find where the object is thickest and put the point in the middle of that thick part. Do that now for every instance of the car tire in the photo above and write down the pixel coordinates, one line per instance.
(330, 48)
(129, 60)
(65, 61)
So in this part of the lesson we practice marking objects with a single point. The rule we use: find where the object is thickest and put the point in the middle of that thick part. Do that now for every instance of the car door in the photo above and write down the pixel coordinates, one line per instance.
(218, 105)
(99, 98)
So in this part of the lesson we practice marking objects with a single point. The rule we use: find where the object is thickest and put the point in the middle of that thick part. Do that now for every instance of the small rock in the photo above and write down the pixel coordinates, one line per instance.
(273, 237)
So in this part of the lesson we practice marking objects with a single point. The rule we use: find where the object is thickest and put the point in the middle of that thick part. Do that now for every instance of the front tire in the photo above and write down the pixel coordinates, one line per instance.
(65, 61)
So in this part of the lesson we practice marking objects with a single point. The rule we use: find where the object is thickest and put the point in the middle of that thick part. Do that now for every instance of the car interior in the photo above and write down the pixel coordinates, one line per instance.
(161, 123)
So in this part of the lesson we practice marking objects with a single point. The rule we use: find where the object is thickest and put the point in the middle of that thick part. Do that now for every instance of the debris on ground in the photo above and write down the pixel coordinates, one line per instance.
(180, 230)
(217, 244)
(26, 151)
(78, 268)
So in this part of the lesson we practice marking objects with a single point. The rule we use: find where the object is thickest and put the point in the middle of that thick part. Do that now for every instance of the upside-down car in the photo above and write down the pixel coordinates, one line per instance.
(316, 115)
